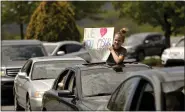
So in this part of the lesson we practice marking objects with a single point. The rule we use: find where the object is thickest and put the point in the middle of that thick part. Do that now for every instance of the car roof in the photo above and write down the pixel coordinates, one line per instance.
(164, 74)
(61, 42)
(50, 58)
(103, 65)
(21, 42)
(146, 34)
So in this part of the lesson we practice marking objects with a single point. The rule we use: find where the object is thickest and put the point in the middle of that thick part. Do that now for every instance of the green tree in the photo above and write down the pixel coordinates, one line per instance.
(53, 21)
(17, 12)
(170, 15)
(90, 9)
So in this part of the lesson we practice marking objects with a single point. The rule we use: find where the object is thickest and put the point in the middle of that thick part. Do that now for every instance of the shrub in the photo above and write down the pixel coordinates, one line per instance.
(153, 61)
(53, 21)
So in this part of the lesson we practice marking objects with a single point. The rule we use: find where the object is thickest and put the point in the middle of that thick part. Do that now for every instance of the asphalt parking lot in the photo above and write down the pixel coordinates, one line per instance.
(7, 103)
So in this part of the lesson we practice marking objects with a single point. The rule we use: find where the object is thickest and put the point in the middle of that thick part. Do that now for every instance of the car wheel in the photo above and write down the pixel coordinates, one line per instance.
(17, 107)
(28, 106)
(140, 56)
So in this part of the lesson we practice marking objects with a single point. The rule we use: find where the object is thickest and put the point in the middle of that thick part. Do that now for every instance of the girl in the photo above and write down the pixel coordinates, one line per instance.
(118, 52)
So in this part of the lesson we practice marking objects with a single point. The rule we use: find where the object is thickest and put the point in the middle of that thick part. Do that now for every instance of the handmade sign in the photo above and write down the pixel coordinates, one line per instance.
(97, 42)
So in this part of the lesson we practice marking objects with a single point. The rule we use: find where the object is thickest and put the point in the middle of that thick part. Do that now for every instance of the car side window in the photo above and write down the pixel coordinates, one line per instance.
(157, 38)
(70, 82)
(144, 98)
(122, 95)
(70, 48)
(23, 69)
(27, 67)
(59, 84)
(62, 48)
(150, 38)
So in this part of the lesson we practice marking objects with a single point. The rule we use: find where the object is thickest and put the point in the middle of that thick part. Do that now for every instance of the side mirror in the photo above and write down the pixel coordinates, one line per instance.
(65, 93)
(60, 53)
(147, 41)
(22, 74)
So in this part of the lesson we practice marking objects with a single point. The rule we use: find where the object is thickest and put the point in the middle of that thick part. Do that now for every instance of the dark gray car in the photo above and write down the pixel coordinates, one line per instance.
(144, 44)
(14, 53)
(85, 87)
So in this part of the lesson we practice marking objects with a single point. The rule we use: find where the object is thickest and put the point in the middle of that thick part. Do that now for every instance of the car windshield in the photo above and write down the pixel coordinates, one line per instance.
(21, 52)
(103, 81)
(51, 69)
(180, 44)
(50, 48)
(134, 40)
(100, 82)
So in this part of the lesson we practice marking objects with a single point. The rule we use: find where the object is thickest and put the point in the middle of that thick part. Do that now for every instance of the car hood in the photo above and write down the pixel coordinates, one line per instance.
(175, 49)
(43, 85)
(128, 47)
(13, 64)
(93, 103)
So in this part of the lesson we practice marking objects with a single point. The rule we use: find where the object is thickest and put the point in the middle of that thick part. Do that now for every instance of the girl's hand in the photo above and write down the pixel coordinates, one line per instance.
(111, 48)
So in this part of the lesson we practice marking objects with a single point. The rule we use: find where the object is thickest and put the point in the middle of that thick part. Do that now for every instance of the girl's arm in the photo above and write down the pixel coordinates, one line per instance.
(117, 58)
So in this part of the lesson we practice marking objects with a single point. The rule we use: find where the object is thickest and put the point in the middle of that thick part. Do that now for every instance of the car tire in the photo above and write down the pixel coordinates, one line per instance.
(140, 56)
(28, 105)
(17, 107)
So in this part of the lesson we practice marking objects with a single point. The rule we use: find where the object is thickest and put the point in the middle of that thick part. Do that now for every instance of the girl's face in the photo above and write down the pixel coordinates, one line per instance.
(118, 41)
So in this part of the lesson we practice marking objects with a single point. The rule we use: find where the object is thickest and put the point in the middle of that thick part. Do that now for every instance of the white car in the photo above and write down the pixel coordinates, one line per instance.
(174, 54)
(36, 77)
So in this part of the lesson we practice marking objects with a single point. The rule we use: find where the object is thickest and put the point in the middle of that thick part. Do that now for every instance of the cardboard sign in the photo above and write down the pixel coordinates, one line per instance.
(97, 42)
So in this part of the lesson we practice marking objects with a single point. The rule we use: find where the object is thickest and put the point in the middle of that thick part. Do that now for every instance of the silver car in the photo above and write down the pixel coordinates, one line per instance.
(63, 47)
(37, 76)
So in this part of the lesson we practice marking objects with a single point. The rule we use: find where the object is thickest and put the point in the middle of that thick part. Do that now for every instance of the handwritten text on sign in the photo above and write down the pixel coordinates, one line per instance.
(98, 40)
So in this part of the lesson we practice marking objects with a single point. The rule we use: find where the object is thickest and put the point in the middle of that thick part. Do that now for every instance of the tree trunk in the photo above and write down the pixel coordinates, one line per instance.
(167, 38)
(21, 30)
(168, 32)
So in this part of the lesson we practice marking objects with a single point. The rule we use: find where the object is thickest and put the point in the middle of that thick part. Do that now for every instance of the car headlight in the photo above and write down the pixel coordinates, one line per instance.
(3, 72)
(38, 94)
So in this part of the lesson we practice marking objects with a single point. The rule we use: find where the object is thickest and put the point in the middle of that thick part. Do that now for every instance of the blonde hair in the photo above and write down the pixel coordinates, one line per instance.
(122, 33)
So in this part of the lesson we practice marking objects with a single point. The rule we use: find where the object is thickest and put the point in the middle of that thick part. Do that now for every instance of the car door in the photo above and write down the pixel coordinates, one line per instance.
(50, 100)
(143, 98)
(18, 83)
(23, 81)
(158, 44)
(123, 95)
(134, 94)
(68, 103)
(149, 46)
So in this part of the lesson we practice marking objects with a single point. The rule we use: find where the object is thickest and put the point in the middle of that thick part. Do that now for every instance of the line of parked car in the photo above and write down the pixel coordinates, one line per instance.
(61, 77)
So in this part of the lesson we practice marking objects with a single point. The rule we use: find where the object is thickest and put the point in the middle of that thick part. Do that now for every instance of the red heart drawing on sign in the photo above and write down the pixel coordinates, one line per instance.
(103, 31)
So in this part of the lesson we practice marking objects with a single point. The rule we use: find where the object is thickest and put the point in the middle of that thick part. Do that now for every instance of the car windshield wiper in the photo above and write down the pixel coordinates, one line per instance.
(99, 94)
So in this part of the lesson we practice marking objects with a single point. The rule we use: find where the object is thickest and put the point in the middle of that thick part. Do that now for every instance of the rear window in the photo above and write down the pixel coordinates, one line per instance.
(21, 52)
